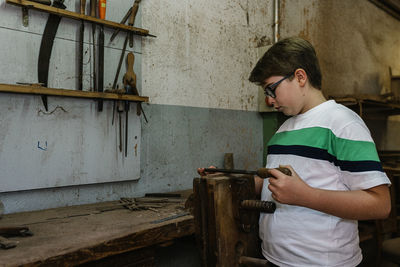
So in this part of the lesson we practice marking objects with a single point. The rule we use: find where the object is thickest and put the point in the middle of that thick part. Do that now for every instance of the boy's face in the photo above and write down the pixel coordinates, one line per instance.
(289, 97)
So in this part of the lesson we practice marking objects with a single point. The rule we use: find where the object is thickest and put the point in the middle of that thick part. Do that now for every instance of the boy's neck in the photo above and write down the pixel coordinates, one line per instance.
(314, 98)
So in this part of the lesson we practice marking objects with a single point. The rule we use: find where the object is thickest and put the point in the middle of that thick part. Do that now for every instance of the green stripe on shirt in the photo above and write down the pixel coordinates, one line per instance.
(323, 138)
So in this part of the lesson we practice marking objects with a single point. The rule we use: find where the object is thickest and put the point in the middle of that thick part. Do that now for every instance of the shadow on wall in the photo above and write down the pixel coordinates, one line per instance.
(385, 132)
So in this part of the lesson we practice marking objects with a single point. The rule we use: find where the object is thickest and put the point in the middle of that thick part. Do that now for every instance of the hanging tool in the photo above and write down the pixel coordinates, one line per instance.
(262, 172)
(120, 109)
(127, 87)
(25, 13)
(80, 52)
(135, 8)
(93, 14)
(130, 79)
(123, 49)
(123, 21)
(114, 86)
(102, 9)
(46, 46)
(100, 81)
(121, 58)
(131, 14)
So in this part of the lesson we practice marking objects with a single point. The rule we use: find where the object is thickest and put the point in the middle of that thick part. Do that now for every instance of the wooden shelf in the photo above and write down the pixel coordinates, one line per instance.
(77, 16)
(369, 105)
(37, 90)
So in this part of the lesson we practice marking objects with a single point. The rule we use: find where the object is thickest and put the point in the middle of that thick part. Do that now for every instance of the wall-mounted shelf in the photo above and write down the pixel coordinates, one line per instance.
(369, 105)
(38, 90)
(77, 16)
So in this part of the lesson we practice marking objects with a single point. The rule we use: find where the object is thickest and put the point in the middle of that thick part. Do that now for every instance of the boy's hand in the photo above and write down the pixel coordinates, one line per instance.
(286, 189)
(203, 173)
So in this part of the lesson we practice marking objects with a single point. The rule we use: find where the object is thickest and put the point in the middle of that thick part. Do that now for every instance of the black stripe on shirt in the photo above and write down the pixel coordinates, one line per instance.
(322, 154)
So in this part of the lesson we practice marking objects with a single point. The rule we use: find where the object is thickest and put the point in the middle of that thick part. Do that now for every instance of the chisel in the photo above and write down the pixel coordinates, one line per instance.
(81, 37)
(135, 8)
(100, 79)
(93, 14)
(127, 87)
(262, 172)
(116, 31)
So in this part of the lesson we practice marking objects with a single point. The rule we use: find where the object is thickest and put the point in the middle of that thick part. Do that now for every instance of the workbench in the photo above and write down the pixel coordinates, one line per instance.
(83, 234)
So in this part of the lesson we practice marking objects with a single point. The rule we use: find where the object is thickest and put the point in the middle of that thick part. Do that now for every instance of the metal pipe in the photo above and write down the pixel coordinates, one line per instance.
(276, 20)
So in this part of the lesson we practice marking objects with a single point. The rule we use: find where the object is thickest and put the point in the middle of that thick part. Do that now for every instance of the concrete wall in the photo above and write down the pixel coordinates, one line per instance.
(357, 43)
(195, 73)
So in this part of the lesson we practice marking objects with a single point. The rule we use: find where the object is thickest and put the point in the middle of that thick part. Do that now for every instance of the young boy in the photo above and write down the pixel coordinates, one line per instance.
(337, 177)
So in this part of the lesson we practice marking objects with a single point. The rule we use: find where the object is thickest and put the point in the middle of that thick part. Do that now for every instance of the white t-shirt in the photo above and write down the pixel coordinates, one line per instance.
(331, 148)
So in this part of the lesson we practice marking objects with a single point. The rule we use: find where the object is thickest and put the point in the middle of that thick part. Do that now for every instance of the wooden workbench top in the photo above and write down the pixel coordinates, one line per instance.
(79, 234)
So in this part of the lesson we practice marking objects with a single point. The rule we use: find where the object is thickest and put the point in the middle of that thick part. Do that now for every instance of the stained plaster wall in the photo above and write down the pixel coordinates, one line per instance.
(201, 105)
(71, 144)
(356, 43)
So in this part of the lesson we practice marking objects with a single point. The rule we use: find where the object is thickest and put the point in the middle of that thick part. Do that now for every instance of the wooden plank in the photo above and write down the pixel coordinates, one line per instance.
(174, 229)
(367, 105)
(77, 16)
(37, 90)
(75, 235)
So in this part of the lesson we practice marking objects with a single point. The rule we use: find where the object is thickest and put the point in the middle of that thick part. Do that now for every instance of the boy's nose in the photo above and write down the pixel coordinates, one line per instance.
(269, 101)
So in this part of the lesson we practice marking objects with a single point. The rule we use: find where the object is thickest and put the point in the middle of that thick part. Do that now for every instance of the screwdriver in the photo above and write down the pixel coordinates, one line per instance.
(261, 172)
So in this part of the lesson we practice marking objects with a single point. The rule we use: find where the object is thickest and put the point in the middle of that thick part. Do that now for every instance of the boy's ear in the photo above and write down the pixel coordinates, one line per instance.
(301, 76)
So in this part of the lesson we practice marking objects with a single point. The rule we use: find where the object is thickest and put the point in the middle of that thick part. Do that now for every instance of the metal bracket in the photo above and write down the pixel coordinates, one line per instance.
(25, 12)
(25, 17)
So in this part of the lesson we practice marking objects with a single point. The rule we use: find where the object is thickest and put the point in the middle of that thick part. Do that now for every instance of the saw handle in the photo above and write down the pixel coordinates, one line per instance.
(83, 6)
(102, 9)
(93, 8)
(265, 172)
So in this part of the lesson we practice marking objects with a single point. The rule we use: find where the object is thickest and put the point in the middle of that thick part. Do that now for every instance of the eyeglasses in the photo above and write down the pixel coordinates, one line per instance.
(269, 90)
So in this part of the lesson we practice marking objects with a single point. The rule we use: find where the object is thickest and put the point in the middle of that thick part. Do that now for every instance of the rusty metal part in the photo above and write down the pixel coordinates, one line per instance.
(262, 206)
(80, 51)
(132, 18)
(261, 172)
(100, 78)
(120, 109)
(126, 127)
(15, 231)
(123, 21)
(7, 244)
(31, 84)
(93, 14)
(114, 86)
(163, 195)
(121, 58)
(133, 205)
(252, 262)
(1, 209)
(46, 47)
(25, 12)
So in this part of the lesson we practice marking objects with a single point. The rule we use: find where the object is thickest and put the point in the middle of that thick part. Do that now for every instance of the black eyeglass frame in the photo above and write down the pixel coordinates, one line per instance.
(269, 90)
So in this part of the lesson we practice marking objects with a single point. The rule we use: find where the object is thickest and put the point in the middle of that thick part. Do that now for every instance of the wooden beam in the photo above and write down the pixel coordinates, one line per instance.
(37, 90)
(165, 232)
(77, 16)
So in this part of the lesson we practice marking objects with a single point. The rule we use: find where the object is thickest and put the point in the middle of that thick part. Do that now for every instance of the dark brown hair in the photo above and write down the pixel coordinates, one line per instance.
(284, 57)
